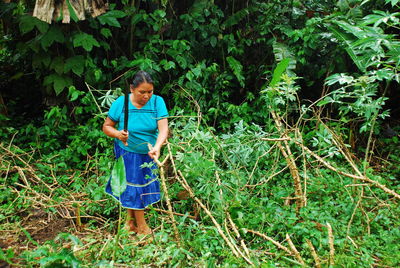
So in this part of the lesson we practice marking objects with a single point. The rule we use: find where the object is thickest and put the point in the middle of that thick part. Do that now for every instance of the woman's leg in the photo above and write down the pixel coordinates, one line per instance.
(142, 227)
(130, 221)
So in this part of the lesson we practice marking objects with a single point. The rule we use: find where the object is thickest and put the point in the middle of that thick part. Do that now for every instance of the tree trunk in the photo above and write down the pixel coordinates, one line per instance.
(51, 10)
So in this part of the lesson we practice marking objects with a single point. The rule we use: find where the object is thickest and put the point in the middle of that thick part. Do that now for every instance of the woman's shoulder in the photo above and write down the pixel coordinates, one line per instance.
(157, 97)
(120, 98)
(119, 101)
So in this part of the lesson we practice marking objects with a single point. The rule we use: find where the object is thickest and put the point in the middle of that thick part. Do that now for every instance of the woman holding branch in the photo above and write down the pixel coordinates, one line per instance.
(147, 124)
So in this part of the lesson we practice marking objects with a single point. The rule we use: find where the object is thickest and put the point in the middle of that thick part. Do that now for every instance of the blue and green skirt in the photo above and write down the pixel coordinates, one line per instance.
(143, 187)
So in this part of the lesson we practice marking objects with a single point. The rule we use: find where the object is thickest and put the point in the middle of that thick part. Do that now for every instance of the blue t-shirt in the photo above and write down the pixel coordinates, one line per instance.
(142, 123)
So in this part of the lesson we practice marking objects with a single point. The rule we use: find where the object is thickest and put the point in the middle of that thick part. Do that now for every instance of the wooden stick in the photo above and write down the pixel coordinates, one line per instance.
(279, 245)
(175, 213)
(233, 241)
(165, 189)
(275, 139)
(331, 246)
(256, 164)
(294, 250)
(185, 185)
(287, 153)
(268, 179)
(95, 101)
(183, 182)
(314, 254)
(235, 230)
(352, 241)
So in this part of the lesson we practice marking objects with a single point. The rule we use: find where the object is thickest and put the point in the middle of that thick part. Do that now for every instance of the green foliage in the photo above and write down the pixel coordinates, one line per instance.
(86, 41)
(51, 255)
(279, 70)
(59, 82)
(27, 23)
(110, 18)
(236, 68)
(211, 63)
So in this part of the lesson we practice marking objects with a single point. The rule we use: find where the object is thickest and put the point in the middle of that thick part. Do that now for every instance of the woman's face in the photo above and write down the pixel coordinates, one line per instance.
(142, 93)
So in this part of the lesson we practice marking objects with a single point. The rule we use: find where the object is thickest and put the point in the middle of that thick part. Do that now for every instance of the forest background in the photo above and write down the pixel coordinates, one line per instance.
(284, 148)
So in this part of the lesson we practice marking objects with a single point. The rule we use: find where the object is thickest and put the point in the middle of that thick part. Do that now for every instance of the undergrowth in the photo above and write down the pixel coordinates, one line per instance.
(239, 175)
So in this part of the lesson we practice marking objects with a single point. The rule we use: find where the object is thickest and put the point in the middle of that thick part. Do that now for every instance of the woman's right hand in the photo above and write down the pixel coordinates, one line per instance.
(123, 136)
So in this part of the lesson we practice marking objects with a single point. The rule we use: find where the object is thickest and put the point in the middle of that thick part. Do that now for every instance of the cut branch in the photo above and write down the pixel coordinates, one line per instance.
(165, 189)
(331, 246)
(294, 250)
(287, 153)
(314, 254)
(279, 245)
(185, 185)
(362, 178)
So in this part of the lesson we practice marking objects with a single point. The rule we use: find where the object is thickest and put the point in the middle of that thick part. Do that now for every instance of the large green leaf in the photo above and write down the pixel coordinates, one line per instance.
(281, 52)
(279, 70)
(59, 82)
(118, 177)
(105, 32)
(75, 64)
(347, 39)
(58, 64)
(393, 2)
(86, 41)
(54, 34)
(378, 17)
(110, 18)
(27, 23)
(236, 17)
(236, 67)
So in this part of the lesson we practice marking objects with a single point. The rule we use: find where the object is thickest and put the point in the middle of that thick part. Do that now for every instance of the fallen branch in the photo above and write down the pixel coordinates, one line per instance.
(165, 189)
(362, 178)
(275, 139)
(287, 153)
(294, 250)
(331, 246)
(175, 213)
(279, 245)
(233, 241)
(185, 185)
(235, 230)
(314, 254)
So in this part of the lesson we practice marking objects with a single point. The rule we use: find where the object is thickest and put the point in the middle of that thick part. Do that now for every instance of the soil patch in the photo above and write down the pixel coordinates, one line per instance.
(43, 226)
(40, 226)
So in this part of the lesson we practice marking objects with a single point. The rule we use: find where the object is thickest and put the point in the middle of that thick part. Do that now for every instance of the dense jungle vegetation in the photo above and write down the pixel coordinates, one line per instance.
(284, 147)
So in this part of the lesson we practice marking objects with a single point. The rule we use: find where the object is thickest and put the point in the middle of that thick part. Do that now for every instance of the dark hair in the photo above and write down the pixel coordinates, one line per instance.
(141, 77)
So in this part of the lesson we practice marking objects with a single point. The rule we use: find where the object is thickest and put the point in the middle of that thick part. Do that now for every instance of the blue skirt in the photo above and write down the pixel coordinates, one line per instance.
(143, 187)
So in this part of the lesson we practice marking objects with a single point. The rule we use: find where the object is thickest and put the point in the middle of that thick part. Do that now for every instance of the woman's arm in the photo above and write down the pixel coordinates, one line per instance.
(110, 130)
(162, 137)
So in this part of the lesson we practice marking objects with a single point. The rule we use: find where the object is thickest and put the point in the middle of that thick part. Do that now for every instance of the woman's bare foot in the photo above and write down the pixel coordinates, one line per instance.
(144, 230)
(130, 226)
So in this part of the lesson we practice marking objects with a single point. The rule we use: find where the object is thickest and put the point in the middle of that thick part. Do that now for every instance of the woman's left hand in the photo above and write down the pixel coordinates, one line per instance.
(154, 153)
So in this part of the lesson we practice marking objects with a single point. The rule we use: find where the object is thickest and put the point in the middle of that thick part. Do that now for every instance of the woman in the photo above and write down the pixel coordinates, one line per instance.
(147, 124)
